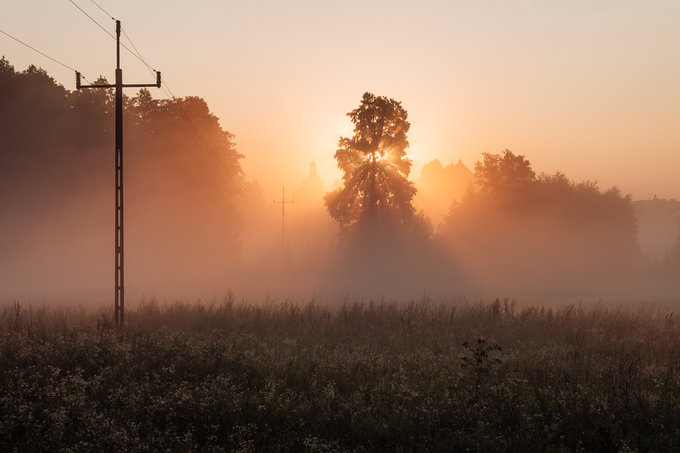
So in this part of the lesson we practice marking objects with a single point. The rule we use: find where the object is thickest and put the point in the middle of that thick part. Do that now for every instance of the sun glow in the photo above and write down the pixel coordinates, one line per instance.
(379, 156)
(418, 158)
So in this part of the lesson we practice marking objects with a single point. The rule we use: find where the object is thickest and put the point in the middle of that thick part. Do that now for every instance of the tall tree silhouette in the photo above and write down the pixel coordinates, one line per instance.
(376, 188)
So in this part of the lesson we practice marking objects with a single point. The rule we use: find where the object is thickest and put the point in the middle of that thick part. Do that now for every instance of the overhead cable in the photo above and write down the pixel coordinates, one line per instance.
(38, 51)
(106, 31)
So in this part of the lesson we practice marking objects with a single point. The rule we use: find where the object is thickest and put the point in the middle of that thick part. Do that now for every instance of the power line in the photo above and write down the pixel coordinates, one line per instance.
(136, 53)
(105, 12)
(92, 19)
(177, 104)
(40, 52)
(166, 89)
(194, 127)
(119, 281)
(106, 31)
(139, 55)
(171, 96)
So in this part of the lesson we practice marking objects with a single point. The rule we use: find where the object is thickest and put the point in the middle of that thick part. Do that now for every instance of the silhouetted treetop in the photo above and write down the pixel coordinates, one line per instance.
(375, 168)
(56, 164)
(508, 170)
(521, 228)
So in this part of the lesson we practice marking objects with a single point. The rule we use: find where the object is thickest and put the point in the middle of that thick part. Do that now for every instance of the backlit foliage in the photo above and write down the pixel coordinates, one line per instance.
(518, 229)
(375, 168)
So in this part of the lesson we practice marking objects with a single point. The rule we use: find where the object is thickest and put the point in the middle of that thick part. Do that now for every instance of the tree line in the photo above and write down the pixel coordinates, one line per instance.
(57, 174)
(512, 227)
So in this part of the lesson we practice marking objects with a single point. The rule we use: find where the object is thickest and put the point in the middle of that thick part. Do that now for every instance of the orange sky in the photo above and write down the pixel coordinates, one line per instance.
(588, 88)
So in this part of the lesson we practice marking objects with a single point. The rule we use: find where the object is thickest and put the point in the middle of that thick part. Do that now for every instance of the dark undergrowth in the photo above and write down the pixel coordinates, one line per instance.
(360, 377)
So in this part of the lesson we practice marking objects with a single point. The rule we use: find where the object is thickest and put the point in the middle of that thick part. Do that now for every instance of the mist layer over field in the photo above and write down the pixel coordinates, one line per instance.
(198, 227)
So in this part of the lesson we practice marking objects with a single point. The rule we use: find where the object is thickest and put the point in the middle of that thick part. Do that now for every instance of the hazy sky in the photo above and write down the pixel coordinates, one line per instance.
(591, 88)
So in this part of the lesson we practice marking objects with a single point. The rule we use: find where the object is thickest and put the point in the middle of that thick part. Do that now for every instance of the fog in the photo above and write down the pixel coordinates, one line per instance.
(180, 245)
(197, 227)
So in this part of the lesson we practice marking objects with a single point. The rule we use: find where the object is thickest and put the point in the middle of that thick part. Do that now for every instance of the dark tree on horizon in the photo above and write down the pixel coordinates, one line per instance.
(376, 190)
(183, 184)
(542, 231)
(508, 170)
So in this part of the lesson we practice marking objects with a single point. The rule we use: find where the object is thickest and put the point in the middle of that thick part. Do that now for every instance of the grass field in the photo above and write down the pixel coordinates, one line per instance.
(359, 376)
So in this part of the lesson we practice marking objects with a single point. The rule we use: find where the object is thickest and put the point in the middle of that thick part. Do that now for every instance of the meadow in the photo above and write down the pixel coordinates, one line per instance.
(355, 376)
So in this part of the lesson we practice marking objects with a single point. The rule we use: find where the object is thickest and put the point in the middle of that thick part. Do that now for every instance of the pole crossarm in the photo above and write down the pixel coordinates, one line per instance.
(119, 249)
(125, 85)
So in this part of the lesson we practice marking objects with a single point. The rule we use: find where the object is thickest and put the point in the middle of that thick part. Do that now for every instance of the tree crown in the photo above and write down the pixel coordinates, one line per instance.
(374, 164)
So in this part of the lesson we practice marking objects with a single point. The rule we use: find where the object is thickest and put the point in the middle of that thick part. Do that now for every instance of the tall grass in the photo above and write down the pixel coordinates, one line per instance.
(362, 376)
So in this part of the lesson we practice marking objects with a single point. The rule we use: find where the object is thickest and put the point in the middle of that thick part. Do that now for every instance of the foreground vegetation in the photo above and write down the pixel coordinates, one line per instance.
(359, 377)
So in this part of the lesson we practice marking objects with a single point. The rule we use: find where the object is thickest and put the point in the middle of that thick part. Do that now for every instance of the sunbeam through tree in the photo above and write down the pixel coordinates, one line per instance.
(376, 189)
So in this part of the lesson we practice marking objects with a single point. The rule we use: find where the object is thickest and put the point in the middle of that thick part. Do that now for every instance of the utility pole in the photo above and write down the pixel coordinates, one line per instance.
(283, 203)
(119, 284)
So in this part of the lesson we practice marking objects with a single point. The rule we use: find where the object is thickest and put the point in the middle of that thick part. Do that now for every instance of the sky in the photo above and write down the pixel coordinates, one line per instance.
(589, 88)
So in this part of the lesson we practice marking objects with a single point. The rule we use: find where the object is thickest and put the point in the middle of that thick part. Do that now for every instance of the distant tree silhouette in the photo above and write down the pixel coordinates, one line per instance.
(503, 172)
(659, 226)
(439, 186)
(519, 228)
(376, 189)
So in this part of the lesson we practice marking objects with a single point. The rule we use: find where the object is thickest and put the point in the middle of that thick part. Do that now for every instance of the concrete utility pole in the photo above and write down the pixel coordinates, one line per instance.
(119, 237)
(283, 225)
